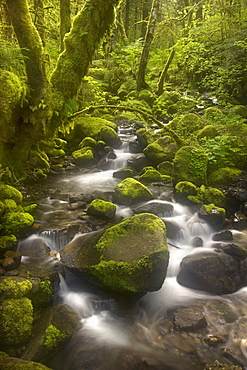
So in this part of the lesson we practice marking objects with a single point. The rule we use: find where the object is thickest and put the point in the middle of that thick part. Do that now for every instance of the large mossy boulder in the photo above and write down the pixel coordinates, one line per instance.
(110, 137)
(217, 273)
(130, 257)
(9, 192)
(163, 149)
(131, 191)
(189, 124)
(190, 164)
(223, 176)
(14, 363)
(84, 127)
(16, 222)
(84, 157)
(144, 137)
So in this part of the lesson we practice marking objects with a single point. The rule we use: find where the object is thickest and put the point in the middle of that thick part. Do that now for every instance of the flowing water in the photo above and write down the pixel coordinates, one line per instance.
(116, 333)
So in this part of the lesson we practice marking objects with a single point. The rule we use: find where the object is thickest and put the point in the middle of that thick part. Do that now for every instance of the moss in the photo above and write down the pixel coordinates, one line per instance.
(213, 115)
(14, 363)
(147, 96)
(241, 110)
(15, 222)
(53, 337)
(165, 168)
(219, 366)
(159, 151)
(186, 188)
(212, 209)
(12, 92)
(16, 321)
(51, 148)
(190, 164)
(101, 208)
(13, 288)
(189, 124)
(44, 296)
(223, 176)
(211, 195)
(9, 192)
(10, 205)
(208, 131)
(144, 137)
(151, 175)
(39, 160)
(88, 142)
(32, 208)
(109, 136)
(131, 191)
(84, 157)
(7, 242)
(169, 97)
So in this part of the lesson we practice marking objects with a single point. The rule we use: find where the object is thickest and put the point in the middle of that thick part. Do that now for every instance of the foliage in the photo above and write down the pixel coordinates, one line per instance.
(53, 337)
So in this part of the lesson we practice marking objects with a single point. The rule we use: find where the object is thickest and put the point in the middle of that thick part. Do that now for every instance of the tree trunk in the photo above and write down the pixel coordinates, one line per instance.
(39, 20)
(65, 21)
(141, 83)
(31, 48)
(88, 27)
(164, 72)
(127, 16)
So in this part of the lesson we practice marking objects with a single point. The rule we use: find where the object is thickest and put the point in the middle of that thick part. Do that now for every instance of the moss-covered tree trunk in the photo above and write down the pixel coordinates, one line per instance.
(65, 20)
(140, 82)
(88, 27)
(39, 20)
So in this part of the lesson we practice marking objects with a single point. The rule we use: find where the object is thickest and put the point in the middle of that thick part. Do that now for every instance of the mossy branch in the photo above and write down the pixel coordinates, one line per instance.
(142, 112)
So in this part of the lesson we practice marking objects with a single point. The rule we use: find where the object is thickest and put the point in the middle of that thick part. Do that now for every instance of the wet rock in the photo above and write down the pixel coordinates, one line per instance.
(187, 319)
(213, 215)
(234, 251)
(34, 248)
(197, 242)
(138, 162)
(67, 323)
(213, 340)
(239, 221)
(172, 229)
(131, 191)
(134, 147)
(130, 257)
(124, 173)
(214, 272)
(102, 209)
(8, 263)
(244, 209)
(155, 207)
(223, 235)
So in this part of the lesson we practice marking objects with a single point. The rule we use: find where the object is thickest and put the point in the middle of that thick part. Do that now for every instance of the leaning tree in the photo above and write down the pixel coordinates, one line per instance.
(31, 111)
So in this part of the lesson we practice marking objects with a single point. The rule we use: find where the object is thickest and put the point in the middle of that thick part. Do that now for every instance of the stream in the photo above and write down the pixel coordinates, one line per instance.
(124, 334)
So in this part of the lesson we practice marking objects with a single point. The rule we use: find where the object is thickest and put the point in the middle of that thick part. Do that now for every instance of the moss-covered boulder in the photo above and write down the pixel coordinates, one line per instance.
(209, 131)
(131, 191)
(52, 148)
(211, 195)
(102, 209)
(124, 173)
(88, 142)
(190, 164)
(14, 287)
(150, 175)
(9, 192)
(147, 96)
(16, 222)
(7, 242)
(223, 176)
(84, 157)
(213, 115)
(189, 124)
(144, 137)
(130, 257)
(84, 127)
(165, 168)
(163, 149)
(241, 110)
(213, 215)
(16, 319)
(110, 137)
(14, 363)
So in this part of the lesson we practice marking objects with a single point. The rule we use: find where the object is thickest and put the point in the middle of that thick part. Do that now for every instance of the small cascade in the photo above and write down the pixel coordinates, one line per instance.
(56, 238)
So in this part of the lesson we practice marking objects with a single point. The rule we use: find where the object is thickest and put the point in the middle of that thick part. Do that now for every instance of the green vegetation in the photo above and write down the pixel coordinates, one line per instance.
(53, 337)
(12, 288)
(131, 191)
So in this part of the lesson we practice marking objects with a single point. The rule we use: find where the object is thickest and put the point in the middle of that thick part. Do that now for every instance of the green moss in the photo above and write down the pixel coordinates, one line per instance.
(109, 136)
(189, 124)
(151, 175)
(165, 168)
(12, 288)
(186, 188)
(16, 321)
(208, 131)
(223, 176)
(211, 195)
(11, 93)
(53, 337)
(144, 137)
(147, 222)
(17, 364)
(241, 110)
(162, 150)
(147, 96)
(101, 208)
(15, 222)
(190, 164)
(30, 209)
(213, 115)
(212, 209)
(10, 205)
(7, 242)
(84, 157)
(44, 296)
(88, 142)
(131, 191)
(51, 148)
(9, 192)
